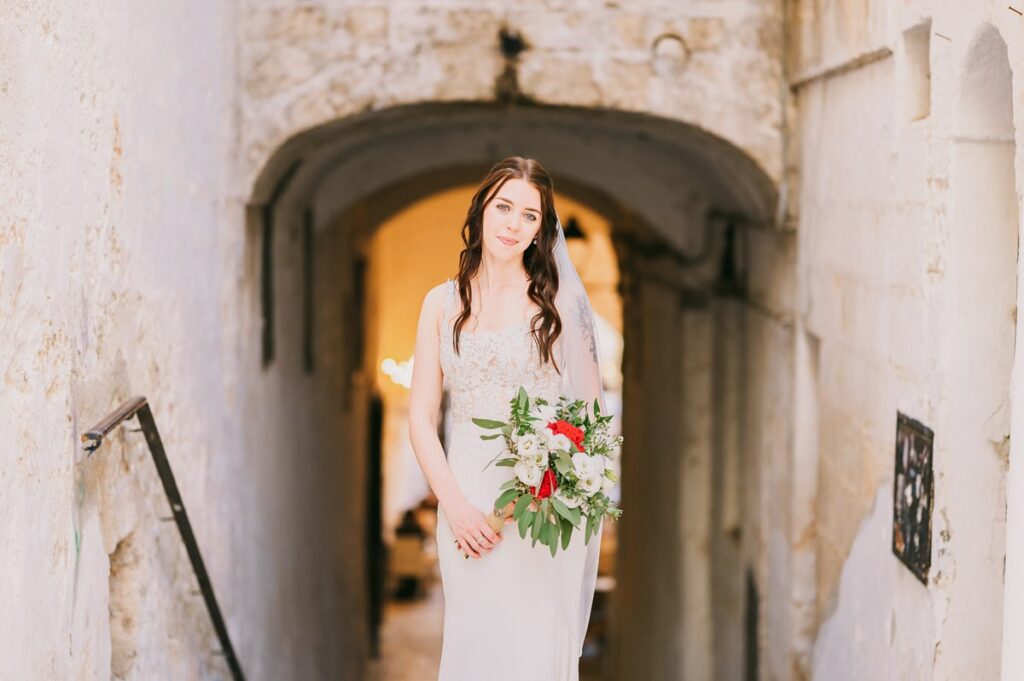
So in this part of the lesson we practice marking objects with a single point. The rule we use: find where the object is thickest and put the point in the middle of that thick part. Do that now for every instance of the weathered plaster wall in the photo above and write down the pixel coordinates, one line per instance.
(890, 290)
(124, 270)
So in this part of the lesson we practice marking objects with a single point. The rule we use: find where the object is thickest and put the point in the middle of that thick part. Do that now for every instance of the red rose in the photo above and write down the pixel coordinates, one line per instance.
(562, 427)
(548, 484)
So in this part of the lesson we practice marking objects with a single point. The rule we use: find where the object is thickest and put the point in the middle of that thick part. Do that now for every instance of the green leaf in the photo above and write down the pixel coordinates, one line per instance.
(575, 516)
(524, 523)
(566, 459)
(538, 523)
(562, 467)
(488, 423)
(523, 399)
(560, 508)
(586, 535)
(505, 462)
(493, 436)
(508, 484)
(597, 407)
(521, 505)
(566, 533)
(506, 496)
(553, 536)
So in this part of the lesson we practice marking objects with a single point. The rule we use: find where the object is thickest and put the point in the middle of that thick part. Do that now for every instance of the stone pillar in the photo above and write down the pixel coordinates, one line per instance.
(697, 417)
(647, 622)
(728, 562)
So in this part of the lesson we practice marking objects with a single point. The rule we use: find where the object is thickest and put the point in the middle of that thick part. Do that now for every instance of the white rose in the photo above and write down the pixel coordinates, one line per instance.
(589, 470)
(607, 484)
(590, 483)
(560, 443)
(528, 472)
(527, 445)
(582, 464)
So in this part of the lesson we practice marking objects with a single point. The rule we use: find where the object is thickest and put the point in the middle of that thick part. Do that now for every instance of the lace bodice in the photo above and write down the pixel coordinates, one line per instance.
(491, 366)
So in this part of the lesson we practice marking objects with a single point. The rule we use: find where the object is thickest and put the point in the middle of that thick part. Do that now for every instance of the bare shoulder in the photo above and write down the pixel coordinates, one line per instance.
(433, 301)
(435, 296)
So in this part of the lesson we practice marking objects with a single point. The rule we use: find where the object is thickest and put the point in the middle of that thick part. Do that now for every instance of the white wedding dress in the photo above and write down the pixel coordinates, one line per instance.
(515, 612)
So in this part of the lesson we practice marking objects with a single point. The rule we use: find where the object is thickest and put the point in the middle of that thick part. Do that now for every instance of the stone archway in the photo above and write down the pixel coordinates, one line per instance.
(677, 197)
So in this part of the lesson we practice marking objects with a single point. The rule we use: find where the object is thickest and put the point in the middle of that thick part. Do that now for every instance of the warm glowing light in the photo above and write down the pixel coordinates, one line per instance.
(399, 372)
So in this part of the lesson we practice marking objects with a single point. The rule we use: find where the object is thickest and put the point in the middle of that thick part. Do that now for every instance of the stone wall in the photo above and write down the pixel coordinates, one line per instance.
(905, 299)
(125, 270)
(714, 65)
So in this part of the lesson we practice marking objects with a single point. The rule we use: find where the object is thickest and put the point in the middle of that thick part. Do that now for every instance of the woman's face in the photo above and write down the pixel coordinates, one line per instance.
(511, 219)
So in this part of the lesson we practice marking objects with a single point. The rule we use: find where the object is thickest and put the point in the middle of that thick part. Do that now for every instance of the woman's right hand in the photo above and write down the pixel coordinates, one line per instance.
(471, 529)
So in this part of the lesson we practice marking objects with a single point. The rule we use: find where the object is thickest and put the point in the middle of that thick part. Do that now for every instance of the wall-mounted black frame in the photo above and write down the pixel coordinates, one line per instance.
(913, 496)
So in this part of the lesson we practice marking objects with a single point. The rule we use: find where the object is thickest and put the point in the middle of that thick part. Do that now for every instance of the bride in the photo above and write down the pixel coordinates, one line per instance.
(515, 315)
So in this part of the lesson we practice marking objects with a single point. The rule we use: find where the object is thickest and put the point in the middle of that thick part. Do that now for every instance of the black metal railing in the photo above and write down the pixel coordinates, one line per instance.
(93, 438)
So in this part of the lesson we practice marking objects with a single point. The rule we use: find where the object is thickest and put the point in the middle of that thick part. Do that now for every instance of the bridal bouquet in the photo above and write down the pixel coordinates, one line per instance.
(560, 456)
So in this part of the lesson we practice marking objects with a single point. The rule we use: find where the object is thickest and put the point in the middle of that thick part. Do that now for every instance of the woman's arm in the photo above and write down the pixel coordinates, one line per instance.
(467, 522)
(425, 402)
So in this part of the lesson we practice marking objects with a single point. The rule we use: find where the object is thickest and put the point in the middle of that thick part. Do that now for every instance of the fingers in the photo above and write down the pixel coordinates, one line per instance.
(472, 548)
(477, 542)
(489, 533)
(478, 546)
(484, 538)
(468, 548)
(479, 538)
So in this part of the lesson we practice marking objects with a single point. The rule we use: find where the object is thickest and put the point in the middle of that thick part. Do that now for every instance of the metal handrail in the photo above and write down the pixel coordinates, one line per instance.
(93, 438)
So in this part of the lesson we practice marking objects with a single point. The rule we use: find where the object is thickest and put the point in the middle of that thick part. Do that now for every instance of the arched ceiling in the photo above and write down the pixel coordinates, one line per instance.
(666, 173)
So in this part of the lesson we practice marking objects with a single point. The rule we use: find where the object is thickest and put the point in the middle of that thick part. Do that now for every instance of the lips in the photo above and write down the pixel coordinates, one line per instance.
(507, 242)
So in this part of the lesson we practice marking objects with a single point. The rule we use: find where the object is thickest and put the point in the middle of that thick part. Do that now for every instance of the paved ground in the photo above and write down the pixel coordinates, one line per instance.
(410, 640)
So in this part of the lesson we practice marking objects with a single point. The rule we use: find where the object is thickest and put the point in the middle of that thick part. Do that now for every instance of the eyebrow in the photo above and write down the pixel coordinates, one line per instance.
(502, 198)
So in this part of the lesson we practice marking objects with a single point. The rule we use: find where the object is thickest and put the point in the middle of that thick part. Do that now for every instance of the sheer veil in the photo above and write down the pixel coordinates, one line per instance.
(581, 379)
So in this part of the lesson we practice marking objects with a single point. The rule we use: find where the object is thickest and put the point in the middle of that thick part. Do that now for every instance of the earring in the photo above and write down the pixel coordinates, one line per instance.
(534, 239)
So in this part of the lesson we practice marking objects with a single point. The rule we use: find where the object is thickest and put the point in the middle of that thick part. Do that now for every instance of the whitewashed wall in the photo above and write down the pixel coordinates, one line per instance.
(907, 246)
(124, 271)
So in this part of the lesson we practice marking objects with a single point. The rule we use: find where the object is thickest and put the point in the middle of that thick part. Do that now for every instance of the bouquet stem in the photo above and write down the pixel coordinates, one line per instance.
(496, 519)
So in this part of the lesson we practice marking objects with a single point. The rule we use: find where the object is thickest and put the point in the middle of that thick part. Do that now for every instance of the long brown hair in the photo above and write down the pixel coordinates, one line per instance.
(538, 258)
